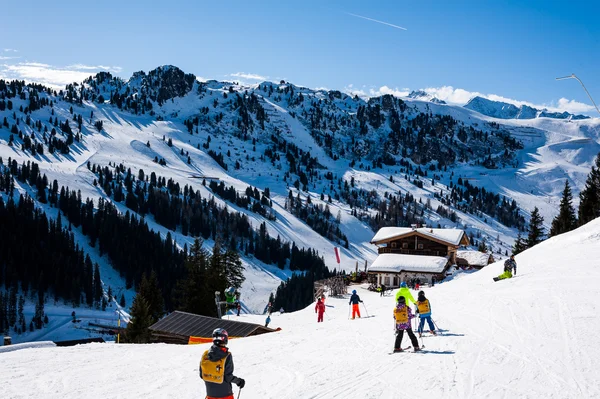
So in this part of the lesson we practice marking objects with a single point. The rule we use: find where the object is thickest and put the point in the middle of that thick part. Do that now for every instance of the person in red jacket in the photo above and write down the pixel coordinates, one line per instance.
(319, 309)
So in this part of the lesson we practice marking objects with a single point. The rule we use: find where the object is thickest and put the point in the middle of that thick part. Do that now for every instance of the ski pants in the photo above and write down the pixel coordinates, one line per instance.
(506, 274)
(422, 323)
(355, 310)
(320, 317)
(411, 335)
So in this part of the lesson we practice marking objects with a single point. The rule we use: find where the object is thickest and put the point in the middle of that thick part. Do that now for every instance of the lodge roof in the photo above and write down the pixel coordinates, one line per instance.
(193, 325)
(448, 236)
(396, 263)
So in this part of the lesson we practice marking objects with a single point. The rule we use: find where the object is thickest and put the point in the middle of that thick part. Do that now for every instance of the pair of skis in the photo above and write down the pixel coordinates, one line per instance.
(407, 350)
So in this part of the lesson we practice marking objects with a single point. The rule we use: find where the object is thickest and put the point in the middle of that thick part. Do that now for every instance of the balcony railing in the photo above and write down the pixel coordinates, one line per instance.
(426, 252)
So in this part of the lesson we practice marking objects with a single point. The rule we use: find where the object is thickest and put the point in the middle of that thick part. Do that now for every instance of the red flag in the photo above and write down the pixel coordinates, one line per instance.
(337, 254)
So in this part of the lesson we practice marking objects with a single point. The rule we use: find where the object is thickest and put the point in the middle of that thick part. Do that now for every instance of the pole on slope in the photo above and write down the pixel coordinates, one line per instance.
(366, 311)
(349, 306)
(239, 393)
(436, 327)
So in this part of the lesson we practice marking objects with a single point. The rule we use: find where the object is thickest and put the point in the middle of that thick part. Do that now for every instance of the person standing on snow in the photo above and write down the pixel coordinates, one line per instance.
(509, 265)
(403, 316)
(216, 368)
(319, 309)
(382, 290)
(268, 320)
(405, 292)
(424, 310)
(354, 300)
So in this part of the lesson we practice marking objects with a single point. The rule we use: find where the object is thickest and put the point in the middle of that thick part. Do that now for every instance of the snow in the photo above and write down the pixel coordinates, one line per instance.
(533, 336)
(452, 236)
(474, 258)
(27, 345)
(412, 263)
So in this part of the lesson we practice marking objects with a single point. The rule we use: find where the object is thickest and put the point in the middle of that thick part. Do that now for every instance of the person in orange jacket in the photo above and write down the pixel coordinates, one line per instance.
(354, 300)
(319, 309)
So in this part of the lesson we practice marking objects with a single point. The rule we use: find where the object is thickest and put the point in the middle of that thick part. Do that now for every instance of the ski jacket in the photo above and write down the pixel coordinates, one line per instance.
(405, 292)
(222, 363)
(424, 308)
(510, 266)
(320, 307)
(403, 326)
(354, 299)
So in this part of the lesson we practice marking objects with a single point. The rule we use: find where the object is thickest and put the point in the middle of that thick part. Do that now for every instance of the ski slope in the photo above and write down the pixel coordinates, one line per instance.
(534, 336)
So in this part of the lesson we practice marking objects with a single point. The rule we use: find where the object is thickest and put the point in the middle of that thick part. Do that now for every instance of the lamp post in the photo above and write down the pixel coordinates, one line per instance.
(572, 76)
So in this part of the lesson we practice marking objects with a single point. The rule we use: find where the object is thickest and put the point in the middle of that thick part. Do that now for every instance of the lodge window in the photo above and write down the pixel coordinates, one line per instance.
(405, 245)
(419, 246)
(394, 245)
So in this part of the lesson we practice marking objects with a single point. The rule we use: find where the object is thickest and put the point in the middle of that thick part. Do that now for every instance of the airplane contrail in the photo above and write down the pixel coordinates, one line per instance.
(375, 20)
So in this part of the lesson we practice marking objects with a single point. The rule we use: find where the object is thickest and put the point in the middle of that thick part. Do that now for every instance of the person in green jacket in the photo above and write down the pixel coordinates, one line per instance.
(405, 292)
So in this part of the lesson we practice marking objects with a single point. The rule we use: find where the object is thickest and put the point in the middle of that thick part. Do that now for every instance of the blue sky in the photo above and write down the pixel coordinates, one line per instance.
(511, 49)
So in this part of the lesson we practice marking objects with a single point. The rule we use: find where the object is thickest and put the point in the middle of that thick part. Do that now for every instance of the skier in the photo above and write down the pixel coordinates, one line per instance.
(216, 368)
(382, 290)
(403, 315)
(230, 298)
(281, 310)
(320, 309)
(509, 265)
(268, 321)
(354, 300)
(424, 310)
(405, 292)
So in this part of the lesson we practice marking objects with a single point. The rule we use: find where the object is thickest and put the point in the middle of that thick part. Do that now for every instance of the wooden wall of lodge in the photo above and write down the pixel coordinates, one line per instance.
(430, 248)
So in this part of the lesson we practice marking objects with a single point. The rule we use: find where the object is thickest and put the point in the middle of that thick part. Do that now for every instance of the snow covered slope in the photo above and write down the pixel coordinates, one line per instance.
(533, 336)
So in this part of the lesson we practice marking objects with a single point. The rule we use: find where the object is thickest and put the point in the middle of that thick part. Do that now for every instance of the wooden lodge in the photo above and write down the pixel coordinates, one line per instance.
(410, 254)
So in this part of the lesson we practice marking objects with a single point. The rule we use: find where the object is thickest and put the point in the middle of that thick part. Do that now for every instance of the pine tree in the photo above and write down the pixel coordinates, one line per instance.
(97, 285)
(589, 198)
(520, 245)
(536, 228)
(193, 294)
(122, 301)
(565, 220)
(137, 329)
(150, 291)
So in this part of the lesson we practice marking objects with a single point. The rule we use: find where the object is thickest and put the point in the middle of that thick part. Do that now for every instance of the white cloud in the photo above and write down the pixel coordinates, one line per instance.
(2, 58)
(249, 76)
(374, 92)
(50, 75)
(575, 106)
(83, 67)
(11, 50)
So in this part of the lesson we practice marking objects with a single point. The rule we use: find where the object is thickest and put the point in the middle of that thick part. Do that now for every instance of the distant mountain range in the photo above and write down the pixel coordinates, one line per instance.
(502, 110)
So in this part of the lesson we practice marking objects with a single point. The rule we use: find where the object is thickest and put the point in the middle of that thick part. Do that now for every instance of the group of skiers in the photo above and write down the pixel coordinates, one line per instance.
(216, 365)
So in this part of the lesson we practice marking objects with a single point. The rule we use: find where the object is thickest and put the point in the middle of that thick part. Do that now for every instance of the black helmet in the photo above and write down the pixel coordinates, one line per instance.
(401, 299)
(220, 337)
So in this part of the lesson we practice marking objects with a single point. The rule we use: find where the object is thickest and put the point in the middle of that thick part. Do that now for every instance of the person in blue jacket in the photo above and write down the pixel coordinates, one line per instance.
(424, 311)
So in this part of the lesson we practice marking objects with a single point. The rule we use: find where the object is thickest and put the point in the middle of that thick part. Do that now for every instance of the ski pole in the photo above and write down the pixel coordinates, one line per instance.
(348, 311)
(239, 393)
(366, 311)
(436, 326)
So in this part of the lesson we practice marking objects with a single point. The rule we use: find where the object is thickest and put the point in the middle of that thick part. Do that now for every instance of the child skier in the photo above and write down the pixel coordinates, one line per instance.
(403, 316)
(216, 368)
(405, 292)
(320, 309)
(424, 310)
(354, 300)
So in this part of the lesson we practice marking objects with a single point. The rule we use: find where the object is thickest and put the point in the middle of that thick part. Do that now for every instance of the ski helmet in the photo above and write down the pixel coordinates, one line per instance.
(403, 284)
(220, 337)
(354, 291)
(401, 299)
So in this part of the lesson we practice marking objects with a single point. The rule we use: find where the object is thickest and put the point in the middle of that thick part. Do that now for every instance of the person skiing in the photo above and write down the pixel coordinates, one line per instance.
(230, 298)
(354, 300)
(382, 290)
(319, 309)
(268, 321)
(509, 265)
(403, 316)
(405, 292)
(216, 368)
(424, 311)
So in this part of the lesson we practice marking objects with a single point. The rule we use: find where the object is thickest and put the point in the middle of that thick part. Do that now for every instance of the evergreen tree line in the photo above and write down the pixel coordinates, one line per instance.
(297, 292)
(201, 217)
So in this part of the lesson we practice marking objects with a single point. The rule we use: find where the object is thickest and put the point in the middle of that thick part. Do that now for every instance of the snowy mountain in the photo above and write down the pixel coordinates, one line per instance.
(324, 169)
(533, 336)
(502, 110)
(424, 96)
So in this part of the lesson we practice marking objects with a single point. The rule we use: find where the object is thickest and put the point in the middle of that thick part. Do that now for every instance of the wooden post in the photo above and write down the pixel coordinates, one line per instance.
(7, 341)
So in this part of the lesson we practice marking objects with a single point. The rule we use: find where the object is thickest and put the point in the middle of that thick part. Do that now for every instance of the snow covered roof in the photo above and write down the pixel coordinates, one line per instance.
(395, 263)
(451, 236)
(474, 258)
